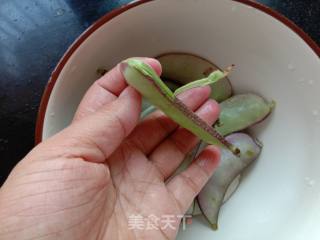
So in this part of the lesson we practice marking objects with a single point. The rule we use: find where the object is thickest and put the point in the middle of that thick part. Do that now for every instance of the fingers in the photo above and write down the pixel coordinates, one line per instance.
(107, 89)
(171, 152)
(95, 137)
(156, 127)
(186, 186)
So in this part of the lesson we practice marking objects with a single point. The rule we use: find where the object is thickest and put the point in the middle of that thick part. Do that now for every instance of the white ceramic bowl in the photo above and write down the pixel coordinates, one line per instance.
(280, 197)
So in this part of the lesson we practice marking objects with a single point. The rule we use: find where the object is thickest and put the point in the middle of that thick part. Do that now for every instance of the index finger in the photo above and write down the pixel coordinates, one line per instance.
(107, 89)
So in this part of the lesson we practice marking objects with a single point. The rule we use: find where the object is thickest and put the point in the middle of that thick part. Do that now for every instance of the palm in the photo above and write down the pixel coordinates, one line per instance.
(99, 205)
(140, 200)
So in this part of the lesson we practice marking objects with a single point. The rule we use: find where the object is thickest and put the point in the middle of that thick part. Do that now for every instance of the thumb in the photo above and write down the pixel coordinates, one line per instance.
(186, 186)
(95, 137)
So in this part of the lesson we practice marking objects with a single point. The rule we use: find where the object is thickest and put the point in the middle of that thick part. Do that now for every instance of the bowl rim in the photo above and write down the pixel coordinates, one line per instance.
(116, 12)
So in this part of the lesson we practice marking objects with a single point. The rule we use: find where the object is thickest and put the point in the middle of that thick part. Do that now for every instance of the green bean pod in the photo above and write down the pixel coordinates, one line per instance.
(147, 107)
(145, 80)
(242, 111)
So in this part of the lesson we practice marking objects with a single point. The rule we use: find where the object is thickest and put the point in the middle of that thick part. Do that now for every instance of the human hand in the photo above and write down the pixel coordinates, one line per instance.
(107, 169)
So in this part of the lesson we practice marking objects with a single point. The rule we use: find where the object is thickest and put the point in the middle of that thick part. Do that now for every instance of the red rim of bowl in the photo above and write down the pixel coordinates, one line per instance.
(56, 72)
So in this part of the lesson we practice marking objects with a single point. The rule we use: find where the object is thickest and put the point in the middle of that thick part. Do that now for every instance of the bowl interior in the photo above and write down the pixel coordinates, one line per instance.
(279, 196)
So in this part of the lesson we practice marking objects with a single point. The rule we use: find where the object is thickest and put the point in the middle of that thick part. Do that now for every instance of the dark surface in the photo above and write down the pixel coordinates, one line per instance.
(34, 34)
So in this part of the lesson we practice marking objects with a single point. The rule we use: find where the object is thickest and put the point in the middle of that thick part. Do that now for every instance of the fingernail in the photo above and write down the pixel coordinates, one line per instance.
(209, 111)
(146, 60)
(123, 66)
(126, 92)
(130, 92)
(208, 107)
(152, 62)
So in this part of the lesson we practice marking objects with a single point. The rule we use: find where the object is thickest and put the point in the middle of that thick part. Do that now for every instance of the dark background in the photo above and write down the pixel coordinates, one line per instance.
(34, 34)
